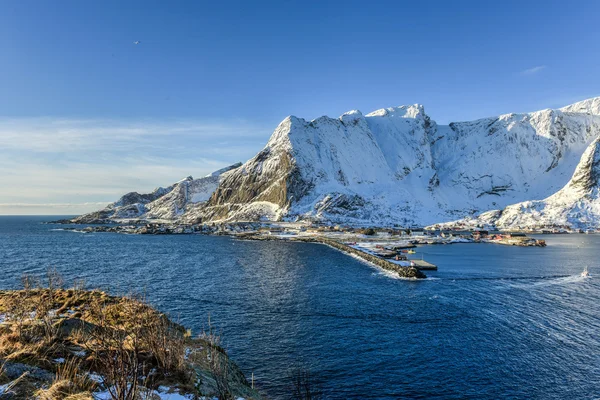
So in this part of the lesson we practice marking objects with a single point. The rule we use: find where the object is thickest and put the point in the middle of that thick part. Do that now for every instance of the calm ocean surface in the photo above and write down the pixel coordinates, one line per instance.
(493, 322)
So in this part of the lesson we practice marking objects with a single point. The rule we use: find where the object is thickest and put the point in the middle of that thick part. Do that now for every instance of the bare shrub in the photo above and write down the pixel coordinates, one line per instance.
(116, 352)
(18, 312)
(43, 308)
(166, 342)
(303, 384)
(217, 361)
(129, 341)
(79, 285)
(54, 280)
(29, 282)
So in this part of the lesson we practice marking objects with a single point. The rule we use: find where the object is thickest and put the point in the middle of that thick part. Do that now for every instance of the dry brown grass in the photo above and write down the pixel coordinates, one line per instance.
(128, 340)
(70, 381)
(123, 337)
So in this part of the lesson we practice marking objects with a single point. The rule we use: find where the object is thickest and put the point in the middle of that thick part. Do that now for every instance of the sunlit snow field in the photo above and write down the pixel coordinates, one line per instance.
(494, 321)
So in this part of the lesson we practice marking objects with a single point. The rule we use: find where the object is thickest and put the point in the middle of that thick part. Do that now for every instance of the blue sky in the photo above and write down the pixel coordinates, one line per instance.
(86, 115)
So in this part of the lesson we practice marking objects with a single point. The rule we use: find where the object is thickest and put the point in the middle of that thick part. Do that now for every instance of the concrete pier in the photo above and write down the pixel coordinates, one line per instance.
(424, 265)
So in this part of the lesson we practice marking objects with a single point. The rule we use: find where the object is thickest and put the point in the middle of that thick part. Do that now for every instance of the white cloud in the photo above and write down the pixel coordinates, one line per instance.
(61, 164)
(533, 70)
(56, 135)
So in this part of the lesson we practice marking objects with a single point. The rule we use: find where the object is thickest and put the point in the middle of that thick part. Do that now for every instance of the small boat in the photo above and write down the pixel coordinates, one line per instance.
(411, 251)
(585, 273)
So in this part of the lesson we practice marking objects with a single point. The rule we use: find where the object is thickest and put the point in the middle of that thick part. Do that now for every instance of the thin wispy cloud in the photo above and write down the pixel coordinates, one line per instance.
(533, 70)
(67, 205)
(49, 208)
(74, 166)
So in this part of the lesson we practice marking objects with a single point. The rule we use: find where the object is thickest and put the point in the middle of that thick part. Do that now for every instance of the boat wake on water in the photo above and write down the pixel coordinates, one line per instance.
(585, 273)
(556, 281)
(526, 282)
(510, 278)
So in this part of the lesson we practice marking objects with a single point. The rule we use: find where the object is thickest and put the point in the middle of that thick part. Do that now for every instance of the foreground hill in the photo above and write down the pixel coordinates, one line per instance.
(75, 344)
(394, 166)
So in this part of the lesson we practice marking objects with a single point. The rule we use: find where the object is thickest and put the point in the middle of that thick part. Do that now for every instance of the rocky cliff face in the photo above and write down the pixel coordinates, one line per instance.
(187, 196)
(328, 168)
(267, 182)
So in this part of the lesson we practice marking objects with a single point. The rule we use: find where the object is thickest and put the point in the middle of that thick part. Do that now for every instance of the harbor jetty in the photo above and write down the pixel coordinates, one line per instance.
(412, 269)
(403, 272)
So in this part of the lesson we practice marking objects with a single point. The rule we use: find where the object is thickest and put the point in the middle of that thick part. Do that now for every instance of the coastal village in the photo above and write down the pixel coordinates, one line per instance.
(390, 249)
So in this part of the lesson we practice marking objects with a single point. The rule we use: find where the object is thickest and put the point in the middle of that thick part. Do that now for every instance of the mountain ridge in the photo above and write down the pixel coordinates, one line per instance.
(397, 166)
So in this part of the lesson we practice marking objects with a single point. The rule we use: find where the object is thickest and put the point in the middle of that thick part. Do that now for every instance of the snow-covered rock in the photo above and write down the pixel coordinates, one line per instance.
(576, 205)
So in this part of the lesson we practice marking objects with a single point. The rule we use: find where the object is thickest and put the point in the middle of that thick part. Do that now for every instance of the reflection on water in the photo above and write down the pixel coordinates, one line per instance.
(494, 321)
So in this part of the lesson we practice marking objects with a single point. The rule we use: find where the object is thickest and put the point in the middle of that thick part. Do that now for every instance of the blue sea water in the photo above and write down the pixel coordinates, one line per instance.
(493, 322)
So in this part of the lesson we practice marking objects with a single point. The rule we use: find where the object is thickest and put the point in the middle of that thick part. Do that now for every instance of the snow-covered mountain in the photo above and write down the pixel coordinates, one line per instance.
(396, 166)
(163, 203)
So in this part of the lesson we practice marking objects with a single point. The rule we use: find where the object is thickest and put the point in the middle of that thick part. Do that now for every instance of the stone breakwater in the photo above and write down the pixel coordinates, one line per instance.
(403, 272)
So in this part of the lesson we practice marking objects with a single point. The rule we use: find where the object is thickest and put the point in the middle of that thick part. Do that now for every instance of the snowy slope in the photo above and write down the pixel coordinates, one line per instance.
(576, 205)
(163, 203)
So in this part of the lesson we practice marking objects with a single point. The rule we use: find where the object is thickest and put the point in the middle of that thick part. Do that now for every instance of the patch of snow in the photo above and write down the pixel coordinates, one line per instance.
(5, 389)
(163, 393)
(95, 377)
(79, 353)
(576, 205)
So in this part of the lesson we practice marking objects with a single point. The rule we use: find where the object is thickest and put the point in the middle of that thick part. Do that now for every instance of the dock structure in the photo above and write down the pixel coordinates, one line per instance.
(403, 272)
(424, 265)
